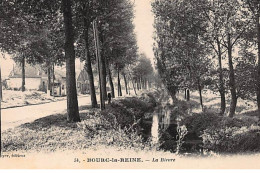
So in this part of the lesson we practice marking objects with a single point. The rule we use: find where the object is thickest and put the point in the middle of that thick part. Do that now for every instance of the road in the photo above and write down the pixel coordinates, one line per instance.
(16, 116)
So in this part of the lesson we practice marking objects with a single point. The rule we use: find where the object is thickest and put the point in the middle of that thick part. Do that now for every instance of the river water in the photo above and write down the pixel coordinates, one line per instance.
(161, 128)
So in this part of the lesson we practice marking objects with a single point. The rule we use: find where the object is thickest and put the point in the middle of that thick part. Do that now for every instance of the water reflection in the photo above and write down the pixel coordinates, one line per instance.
(163, 130)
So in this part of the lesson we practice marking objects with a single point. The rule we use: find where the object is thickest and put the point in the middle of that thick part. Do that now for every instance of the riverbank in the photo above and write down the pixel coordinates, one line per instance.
(147, 122)
(123, 131)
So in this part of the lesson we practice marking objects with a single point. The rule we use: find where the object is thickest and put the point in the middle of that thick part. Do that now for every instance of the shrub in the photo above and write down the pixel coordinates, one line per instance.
(236, 122)
(182, 131)
(122, 138)
(128, 111)
(232, 139)
(197, 123)
(180, 108)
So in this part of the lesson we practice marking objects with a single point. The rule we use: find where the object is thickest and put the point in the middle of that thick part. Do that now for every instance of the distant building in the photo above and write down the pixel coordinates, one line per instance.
(36, 79)
(82, 82)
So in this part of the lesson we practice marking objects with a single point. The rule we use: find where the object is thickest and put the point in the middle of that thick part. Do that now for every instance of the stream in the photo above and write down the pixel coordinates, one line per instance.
(161, 128)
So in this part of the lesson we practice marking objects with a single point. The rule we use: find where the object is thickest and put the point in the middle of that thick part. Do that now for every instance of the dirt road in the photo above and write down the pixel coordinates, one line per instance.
(16, 116)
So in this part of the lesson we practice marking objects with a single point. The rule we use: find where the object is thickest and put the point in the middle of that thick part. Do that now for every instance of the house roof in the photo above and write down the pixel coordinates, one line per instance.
(30, 71)
(34, 72)
(83, 76)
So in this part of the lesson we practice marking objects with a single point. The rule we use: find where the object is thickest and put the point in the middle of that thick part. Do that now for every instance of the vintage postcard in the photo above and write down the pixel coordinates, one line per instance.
(130, 84)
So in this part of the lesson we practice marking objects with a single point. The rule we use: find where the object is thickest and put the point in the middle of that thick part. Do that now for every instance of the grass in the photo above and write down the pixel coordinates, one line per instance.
(54, 133)
(46, 134)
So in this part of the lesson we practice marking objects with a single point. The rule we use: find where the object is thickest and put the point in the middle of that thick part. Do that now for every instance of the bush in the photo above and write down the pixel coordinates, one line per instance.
(197, 123)
(236, 122)
(128, 111)
(232, 139)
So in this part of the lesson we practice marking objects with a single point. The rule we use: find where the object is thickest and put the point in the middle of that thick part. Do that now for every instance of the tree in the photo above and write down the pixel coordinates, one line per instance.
(142, 70)
(254, 9)
(85, 14)
(112, 35)
(16, 33)
(72, 101)
(118, 41)
(33, 15)
(213, 39)
(31, 35)
(179, 29)
(235, 27)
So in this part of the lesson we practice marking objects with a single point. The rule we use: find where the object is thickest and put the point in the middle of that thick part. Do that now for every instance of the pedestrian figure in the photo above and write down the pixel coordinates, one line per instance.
(109, 98)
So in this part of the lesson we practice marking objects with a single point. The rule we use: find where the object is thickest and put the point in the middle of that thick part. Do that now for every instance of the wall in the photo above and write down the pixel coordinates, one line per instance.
(30, 83)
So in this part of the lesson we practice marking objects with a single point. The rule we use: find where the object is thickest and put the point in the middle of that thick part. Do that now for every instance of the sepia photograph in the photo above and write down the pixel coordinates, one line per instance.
(130, 84)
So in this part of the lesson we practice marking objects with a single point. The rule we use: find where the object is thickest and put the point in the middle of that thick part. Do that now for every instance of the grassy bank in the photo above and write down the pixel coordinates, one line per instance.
(116, 126)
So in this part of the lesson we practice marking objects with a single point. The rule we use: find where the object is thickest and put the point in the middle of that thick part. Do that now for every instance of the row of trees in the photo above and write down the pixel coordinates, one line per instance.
(56, 32)
(213, 43)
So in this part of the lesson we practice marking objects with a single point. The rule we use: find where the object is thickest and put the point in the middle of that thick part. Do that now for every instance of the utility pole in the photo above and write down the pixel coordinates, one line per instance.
(100, 70)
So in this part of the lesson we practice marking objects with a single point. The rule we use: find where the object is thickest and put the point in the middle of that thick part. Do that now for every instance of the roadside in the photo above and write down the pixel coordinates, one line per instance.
(12, 99)
(16, 116)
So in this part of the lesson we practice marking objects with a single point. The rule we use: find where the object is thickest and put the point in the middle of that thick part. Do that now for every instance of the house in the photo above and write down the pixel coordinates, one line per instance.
(36, 79)
(82, 82)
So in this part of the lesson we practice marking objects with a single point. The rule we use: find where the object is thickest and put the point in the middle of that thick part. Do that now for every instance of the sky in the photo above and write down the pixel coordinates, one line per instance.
(143, 22)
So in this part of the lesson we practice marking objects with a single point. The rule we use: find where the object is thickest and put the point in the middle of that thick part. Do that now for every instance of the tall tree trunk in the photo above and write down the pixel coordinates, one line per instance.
(232, 83)
(104, 88)
(100, 69)
(221, 82)
(23, 73)
(111, 82)
(103, 69)
(188, 95)
(140, 83)
(129, 88)
(118, 83)
(134, 87)
(185, 93)
(49, 80)
(132, 83)
(72, 100)
(88, 65)
(126, 89)
(53, 79)
(200, 92)
(258, 67)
